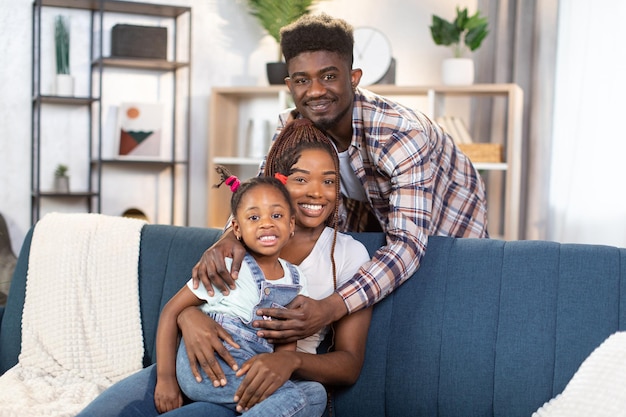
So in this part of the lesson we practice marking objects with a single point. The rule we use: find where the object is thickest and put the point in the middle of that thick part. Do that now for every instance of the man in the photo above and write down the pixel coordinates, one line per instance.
(400, 173)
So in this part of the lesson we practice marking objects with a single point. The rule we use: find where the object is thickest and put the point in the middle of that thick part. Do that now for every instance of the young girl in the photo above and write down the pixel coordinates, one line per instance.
(263, 220)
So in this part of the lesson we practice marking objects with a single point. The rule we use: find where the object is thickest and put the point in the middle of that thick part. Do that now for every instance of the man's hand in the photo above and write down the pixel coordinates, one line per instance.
(211, 268)
(303, 317)
(264, 374)
(203, 338)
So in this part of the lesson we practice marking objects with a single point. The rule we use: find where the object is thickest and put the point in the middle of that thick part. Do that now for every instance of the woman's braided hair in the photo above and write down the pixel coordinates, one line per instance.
(297, 136)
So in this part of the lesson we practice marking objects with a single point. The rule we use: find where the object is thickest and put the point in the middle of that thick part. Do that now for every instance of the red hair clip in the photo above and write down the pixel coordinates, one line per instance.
(280, 177)
(233, 182)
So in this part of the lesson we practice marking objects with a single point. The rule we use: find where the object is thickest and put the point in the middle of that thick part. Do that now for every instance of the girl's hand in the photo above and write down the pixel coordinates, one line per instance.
(265, 373)
(167, 395)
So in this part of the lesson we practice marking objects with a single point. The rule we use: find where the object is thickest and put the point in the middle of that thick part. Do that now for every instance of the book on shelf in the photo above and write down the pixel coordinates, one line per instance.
(456, 128)
(463, 135)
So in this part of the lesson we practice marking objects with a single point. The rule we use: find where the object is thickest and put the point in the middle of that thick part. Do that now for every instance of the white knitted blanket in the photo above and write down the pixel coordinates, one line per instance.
(81, 327)
(598, 388)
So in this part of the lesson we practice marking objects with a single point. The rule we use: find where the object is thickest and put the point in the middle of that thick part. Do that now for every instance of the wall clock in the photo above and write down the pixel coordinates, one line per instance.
(372, 54)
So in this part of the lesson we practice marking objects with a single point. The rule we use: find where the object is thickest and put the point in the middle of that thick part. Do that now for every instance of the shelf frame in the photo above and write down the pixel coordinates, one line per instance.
(98, 8)
(223, 131)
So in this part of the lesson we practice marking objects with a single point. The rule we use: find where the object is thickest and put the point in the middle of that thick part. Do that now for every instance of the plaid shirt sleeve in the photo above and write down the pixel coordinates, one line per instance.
(418, 185)
(406, 208)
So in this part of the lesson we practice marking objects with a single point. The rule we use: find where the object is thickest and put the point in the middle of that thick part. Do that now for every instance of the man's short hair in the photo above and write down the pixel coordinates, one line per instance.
(320, 32)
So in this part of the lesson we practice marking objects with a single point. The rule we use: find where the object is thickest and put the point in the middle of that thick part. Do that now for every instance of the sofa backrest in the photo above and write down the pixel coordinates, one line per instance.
(488, 328)
(167, 255)
(485, 327)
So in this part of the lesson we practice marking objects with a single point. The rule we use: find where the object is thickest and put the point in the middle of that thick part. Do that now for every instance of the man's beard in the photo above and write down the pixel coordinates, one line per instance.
(326, 124)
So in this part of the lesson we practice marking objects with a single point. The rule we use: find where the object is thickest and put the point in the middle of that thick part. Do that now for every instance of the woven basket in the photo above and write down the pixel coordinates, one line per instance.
(482, 152)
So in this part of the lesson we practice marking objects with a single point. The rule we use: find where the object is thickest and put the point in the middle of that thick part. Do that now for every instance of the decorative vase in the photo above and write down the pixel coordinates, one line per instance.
(276, 72)
(64, 85)
(62, 184)
(457, 71)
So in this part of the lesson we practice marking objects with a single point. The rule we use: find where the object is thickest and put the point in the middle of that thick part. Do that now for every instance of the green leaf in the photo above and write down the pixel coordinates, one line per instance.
(274, 14)
(475, 36)
(464, 29)
(444, 32)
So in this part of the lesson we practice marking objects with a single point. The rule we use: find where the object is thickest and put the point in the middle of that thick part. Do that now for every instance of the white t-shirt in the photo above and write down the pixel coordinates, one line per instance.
(350, 255)
(349, 183)
(241, 301)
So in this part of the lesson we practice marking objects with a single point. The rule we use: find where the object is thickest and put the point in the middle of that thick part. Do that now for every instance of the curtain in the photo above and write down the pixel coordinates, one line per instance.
(521, 49)
(587, 204)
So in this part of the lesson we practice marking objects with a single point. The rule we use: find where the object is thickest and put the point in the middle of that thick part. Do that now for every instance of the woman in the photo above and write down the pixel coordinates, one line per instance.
(308, 159)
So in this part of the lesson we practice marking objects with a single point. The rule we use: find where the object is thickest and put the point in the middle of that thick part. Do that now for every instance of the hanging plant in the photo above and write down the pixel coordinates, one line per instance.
(62, 44)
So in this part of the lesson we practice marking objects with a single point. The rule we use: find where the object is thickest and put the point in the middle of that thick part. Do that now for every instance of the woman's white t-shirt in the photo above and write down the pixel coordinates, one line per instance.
(350, 255)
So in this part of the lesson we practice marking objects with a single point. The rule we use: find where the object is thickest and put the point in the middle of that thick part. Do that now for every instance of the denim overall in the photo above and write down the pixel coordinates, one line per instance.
(288, 400)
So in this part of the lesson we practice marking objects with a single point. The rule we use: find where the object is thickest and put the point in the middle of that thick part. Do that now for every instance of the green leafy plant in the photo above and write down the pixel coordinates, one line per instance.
(274, 14)
(464, 32)
(61, 170)
(62, 44)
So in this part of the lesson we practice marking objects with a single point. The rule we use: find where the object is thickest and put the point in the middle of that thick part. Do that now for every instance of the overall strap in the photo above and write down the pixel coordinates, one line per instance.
(295, 275)
(258, 275)
(255, 270)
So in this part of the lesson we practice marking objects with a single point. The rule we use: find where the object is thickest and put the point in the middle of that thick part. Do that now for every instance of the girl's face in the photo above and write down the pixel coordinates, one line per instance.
(312, 188)
(263, 220)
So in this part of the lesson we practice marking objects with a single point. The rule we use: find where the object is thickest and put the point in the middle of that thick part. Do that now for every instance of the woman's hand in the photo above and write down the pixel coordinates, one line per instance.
(211, 268)
(203, 338)
(264, 374)
(167, 395)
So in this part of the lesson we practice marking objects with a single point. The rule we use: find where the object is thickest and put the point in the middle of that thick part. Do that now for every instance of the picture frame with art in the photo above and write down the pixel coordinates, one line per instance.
(140, 131)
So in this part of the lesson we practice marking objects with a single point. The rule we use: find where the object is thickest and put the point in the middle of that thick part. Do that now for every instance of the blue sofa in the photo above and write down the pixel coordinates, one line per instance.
(484, 328)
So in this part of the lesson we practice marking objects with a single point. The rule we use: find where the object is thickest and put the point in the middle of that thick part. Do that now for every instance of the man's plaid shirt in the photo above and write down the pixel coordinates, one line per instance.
(418, 184)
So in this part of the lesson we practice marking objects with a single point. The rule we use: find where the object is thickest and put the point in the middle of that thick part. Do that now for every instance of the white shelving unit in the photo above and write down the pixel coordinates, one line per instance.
(232, 108)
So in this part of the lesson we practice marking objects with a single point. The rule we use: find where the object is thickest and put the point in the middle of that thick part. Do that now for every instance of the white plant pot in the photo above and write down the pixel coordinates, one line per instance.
(62, 184)
(64, 85)
(457, 71)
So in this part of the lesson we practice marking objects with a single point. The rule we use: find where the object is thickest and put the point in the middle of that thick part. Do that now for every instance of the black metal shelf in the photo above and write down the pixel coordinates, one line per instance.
(177, 162)
(140, 63)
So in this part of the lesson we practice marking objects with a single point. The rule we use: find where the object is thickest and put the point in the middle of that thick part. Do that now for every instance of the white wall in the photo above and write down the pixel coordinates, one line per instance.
(229, 48)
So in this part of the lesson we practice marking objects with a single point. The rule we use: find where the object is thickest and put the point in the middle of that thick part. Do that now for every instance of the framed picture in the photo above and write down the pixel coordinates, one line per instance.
(140, 131)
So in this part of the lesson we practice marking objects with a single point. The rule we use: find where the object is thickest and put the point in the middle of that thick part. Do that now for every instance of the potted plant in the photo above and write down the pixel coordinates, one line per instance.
(463, 33)
(273, 15)
(61, 179)
(64, 83)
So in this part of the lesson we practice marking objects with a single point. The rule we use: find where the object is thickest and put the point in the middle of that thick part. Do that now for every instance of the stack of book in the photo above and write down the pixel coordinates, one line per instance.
(476, 152)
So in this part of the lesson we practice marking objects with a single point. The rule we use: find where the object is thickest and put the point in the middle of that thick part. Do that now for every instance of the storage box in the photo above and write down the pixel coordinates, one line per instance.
(482, 152)
(130, 41)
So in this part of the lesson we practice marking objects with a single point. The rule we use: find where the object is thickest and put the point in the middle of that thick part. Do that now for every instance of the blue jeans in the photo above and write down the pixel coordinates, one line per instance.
(286, 401)
(134, 397)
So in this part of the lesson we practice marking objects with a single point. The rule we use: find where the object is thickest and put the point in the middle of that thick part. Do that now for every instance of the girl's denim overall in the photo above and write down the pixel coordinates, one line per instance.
(289, 399)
